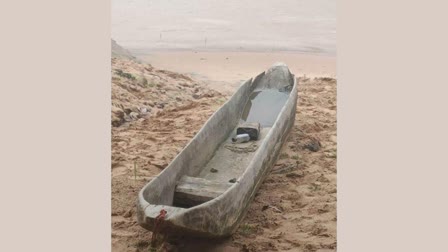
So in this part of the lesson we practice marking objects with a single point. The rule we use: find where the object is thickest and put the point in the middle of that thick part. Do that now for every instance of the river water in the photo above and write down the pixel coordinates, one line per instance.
(307, 26)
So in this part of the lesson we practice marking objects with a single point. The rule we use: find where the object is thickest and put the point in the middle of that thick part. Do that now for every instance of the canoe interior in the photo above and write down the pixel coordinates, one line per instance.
(230, 159)
(211, 161)
(264, 106)
(227, 164)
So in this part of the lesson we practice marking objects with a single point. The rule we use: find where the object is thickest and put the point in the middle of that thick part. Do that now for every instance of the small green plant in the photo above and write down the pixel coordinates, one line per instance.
(124, 74)
(246, 229)
(284, 155)
(295, 157)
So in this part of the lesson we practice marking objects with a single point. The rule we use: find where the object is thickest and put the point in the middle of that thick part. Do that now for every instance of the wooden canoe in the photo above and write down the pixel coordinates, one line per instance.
(208, 186)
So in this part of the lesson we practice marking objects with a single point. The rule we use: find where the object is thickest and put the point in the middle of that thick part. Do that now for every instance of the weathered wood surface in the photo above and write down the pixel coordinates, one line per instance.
(192, 191)
(220, 217)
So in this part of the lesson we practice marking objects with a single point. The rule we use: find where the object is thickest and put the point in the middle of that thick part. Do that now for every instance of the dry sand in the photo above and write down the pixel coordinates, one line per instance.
(294, 209)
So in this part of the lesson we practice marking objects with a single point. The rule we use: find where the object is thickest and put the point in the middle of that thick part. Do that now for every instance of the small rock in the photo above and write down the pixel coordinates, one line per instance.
(232, 180)
(195, 96)
(178, 99)
(213, 170)
(314, 145)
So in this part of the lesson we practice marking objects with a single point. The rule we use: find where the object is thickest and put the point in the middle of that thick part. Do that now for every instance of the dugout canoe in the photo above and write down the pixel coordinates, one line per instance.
(208, 186)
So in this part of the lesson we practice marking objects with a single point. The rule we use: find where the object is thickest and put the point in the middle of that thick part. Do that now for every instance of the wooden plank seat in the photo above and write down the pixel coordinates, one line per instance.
(193, 191)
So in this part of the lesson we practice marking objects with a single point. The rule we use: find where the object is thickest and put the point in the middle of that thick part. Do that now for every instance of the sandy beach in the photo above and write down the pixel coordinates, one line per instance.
(156, 112)
(190, 56)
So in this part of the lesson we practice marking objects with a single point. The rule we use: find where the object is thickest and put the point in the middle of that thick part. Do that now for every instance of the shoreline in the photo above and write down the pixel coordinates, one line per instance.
(310, 51)
(225, 70)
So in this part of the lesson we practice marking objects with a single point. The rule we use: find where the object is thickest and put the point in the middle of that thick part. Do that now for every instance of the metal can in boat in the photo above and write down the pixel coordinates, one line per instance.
(242, 138)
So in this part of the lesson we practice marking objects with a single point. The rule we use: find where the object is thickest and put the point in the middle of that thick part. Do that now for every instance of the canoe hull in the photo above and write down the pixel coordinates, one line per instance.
(220, 216)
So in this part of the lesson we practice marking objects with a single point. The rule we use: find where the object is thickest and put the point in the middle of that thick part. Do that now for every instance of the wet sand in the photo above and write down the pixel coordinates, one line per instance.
(225, 70)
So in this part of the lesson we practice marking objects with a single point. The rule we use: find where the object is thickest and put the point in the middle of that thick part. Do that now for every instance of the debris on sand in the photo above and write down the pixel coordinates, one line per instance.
(313, 145)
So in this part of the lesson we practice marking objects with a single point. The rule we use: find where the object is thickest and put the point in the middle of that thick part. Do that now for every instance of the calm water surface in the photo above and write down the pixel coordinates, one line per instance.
(264, 106)
(298, 25)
